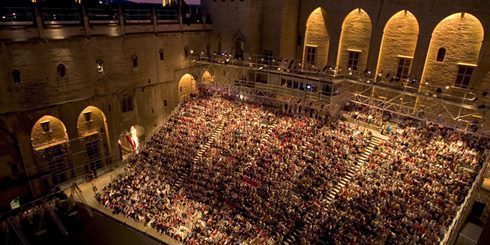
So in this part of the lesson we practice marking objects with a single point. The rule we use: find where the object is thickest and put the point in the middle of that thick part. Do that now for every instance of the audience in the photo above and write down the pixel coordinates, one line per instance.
(224, 171)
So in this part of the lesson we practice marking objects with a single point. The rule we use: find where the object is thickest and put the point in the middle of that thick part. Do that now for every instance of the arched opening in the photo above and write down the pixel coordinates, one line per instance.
(239, 45)
(92, 130)
(207, 78)
(13, 184)
(461, 35)
(315, 50)
(51, 151)
(398, 46)
(186, 86)
(61, 69)
(129, 141)
(354, 41)
(441, 54)
(126, 102)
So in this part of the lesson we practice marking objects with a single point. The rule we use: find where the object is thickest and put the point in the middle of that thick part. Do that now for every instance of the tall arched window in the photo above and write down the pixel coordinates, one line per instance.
(441, 53)
(16, 76)
(134, 61)
(126, 103)
(61, 69)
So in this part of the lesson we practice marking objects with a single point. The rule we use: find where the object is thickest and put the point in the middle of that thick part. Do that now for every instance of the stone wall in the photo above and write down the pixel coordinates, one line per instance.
(356, 35)
(461, 35)
(153, 84)
(317, 36)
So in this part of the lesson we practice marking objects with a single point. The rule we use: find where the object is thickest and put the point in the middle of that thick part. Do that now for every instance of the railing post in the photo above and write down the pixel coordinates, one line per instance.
(38, 20)
(121, 20)
(85, 20)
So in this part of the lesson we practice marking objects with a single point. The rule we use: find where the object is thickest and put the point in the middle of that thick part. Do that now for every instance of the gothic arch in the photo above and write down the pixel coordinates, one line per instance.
(207, 77)
(239, 41)
(94, 135)
(354, 40)
(317, 39)
(399, 41)
(186, 86)
(51, 151)
(461, 35)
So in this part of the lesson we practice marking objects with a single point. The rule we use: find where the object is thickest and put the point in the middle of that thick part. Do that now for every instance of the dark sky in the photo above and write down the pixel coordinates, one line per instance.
(160, 1)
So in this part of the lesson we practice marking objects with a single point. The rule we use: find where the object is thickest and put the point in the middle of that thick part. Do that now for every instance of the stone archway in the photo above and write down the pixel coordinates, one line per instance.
(315, 50)
(11, 170)
(354, 41)
(94, 137)
(187, 85)
(398, 45)
(52, 151)
(455, 44)
(207, 78)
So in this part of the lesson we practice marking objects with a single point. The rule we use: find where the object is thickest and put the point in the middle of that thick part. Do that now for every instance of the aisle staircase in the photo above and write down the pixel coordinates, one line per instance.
(293, 237)
(361, 160)
(184, 175)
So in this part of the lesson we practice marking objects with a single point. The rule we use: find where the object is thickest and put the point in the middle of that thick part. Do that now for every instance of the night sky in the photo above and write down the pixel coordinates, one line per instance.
(160, 1)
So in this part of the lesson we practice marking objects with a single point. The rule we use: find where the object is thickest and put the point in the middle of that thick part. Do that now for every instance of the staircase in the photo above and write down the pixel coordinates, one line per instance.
(184, 175)
(375, 141)
(293, 237)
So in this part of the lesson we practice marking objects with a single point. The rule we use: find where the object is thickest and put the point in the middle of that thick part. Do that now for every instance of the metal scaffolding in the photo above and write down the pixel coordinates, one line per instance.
(331, 87)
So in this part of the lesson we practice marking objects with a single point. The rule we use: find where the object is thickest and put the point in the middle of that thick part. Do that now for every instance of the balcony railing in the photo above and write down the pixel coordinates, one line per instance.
(11, 16)
(138, 15)
(103, 16)
(55, 16)
(16, 16)
(167, 15)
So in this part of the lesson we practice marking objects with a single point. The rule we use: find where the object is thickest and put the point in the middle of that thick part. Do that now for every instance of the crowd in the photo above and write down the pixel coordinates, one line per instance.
(410, 188)
(256, 181)
(259, 172)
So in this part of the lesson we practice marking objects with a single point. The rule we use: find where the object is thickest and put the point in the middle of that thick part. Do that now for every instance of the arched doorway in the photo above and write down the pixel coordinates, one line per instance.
(354, 41)
(315, 50)
(453, 52)
(400, 37)
(13, 184)
(94, 137)
(239, 45)
(207, 78)
(51, 151)
(187, 85)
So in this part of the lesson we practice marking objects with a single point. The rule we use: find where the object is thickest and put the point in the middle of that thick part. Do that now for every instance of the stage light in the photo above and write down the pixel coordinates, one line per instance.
(447, 87)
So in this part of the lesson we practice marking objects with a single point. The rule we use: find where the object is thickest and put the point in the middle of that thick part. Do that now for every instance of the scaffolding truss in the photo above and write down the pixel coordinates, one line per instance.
(401, 98)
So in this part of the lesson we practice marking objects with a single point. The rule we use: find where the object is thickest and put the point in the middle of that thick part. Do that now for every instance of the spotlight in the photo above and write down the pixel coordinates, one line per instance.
(447, 87)
(427, 82)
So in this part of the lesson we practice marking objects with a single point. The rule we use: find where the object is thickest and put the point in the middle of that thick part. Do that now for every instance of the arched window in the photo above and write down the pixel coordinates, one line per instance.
(61, 69)
(126, 103)
(16, 76)
(99, 63)
(441, 53)
(162, 54)
(134, 60)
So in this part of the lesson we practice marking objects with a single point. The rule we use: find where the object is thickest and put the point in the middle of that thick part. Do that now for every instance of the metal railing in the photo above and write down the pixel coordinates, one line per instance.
(16, 16)
(10, 16)
(54, 16)
(138, 15)
(167, 15)
(103, 15)
(465, 208)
